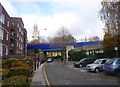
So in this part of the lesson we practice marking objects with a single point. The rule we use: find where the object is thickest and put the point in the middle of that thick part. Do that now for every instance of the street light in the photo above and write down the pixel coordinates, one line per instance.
(35, 57)
(116, 49)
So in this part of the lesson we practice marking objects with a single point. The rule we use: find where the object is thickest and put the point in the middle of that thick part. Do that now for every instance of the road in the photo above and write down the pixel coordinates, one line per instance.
(60, 74)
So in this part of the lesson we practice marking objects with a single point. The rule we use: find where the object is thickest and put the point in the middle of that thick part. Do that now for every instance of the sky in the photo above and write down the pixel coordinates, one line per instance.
(80, 17)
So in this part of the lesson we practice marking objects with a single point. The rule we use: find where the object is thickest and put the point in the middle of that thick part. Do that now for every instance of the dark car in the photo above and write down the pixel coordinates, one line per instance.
(83, 62)
(112, 66)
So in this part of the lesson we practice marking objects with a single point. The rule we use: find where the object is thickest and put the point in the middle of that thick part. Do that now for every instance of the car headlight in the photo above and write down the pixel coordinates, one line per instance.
(92, 67)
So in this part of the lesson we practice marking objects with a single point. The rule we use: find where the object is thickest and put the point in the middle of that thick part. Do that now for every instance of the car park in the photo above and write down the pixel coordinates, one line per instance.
(83, 62)
(112, 66)
(97, 65)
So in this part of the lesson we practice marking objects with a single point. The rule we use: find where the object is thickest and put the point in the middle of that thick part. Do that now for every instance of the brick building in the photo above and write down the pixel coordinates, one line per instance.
(13, 35)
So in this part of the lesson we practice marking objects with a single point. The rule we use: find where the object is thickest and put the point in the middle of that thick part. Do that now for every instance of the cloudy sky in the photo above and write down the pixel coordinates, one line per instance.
(80, 17)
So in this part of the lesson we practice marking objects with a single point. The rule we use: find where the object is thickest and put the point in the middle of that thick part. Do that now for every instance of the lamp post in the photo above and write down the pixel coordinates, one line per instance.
(35, 57)
(116, 49)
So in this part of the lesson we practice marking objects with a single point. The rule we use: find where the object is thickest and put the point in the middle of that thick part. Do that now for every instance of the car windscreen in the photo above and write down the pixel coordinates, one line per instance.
(49, 59)
(97, 62)
(81, 60)
(110, 61)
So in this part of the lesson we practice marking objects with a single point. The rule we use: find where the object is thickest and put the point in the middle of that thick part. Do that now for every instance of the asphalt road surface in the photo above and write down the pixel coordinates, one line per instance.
(60, 74)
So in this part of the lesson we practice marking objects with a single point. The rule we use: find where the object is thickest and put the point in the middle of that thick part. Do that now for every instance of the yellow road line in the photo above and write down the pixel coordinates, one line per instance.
(47, 83)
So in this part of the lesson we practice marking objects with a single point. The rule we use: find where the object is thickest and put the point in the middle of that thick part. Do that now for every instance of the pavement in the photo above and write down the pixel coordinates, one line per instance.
(38, 78)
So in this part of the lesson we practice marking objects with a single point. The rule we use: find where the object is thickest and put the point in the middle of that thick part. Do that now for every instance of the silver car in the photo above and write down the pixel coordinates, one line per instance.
(97, 66)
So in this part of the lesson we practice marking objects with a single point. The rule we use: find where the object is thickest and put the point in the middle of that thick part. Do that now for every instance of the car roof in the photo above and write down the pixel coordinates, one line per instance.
(103, 59)
(114, 58)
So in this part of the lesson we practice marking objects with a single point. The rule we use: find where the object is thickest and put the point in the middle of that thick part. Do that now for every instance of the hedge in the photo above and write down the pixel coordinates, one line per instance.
(5, 73)
(6, 64)
(76, 55)
(19, 71)
(28, 61)
(19, 64)
(15, 81)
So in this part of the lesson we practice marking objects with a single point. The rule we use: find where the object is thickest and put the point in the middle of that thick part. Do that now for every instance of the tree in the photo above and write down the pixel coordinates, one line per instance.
(109, 14)
(94, 38)
(42, 39)
(61, 39)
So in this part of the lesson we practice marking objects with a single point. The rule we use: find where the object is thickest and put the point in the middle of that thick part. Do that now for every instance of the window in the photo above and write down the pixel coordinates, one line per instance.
(12, 33)
(19, 29)
(18, 26)
(104, 61)
(7, 37)
(6, 53)
(17, 34)
(12, 45)
(12, 23)
(21, 47)
(2, 18)
(1, 50)
(21, 40)
(8, 23)
(1, 33)
(17, 44)
(118, 62)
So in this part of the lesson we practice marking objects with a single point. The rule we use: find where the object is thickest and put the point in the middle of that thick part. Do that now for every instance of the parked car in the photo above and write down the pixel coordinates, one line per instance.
(83, 62)
(112, 66)
(49, 60)
(97, 65)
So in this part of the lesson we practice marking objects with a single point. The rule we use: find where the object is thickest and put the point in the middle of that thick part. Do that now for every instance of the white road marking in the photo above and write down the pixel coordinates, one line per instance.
(82, 70)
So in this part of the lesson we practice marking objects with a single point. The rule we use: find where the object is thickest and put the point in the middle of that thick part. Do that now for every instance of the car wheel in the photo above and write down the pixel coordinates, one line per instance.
(74, 66)
(117, 72)
(97, 70)
(80, 65)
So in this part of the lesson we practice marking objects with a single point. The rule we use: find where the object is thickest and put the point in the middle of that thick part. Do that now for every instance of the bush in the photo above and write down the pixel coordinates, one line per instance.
(19, 71)
(76, 55)
(6, 64)
(28, 61)
(17, 81)
(19, 64)
(5, 73)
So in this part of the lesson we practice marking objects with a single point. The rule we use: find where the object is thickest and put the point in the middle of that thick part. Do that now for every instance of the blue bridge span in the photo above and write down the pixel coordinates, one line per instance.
(45, 47)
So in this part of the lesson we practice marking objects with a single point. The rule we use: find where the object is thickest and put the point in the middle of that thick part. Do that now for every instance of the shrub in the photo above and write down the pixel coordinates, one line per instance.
(19, 71)
(5, 73)
(19, 64)
(76, 55)
(28, 61)
(6, 64)
(17, 81)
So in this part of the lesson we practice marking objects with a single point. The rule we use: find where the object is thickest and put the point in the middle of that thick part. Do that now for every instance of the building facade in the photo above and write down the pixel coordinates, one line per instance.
(13, 35)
